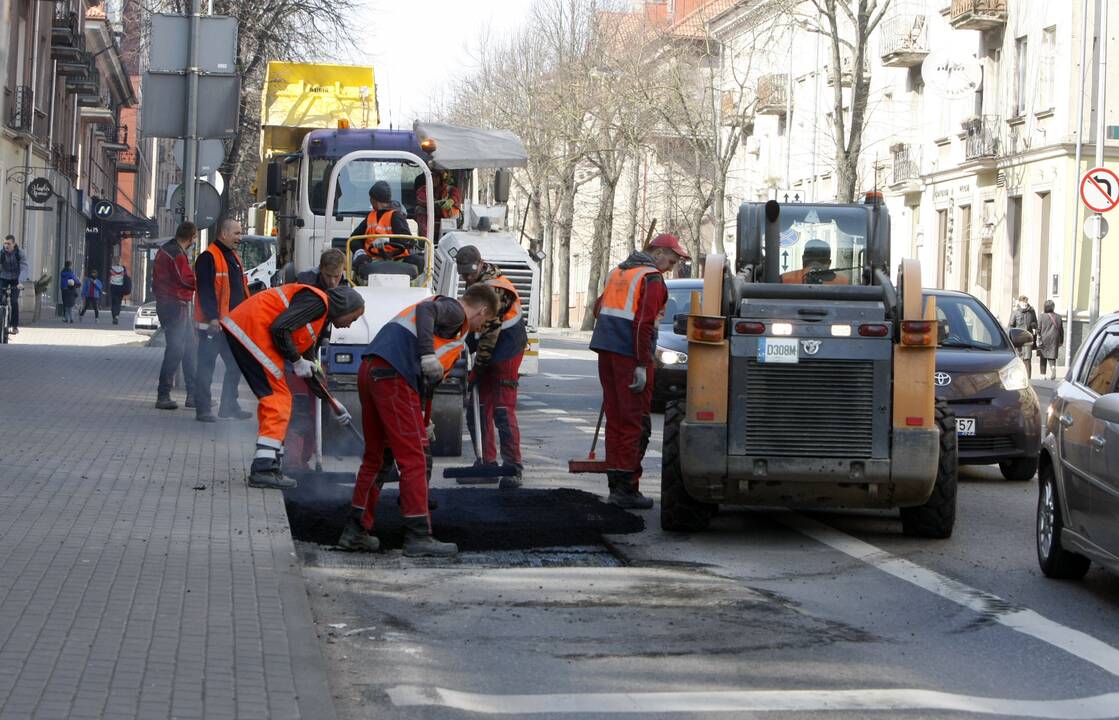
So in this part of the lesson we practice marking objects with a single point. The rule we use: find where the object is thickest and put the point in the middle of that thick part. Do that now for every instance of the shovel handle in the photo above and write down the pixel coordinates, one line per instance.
(597, 427)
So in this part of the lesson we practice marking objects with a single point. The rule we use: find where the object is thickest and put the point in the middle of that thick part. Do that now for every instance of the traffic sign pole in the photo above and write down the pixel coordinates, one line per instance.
(1101, 97)
(190, 154)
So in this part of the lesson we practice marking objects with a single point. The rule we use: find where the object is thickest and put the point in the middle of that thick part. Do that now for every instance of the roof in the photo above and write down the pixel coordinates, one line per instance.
(694, 24)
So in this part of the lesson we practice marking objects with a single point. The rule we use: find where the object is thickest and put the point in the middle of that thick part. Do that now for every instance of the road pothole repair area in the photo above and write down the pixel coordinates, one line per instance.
(492, 527)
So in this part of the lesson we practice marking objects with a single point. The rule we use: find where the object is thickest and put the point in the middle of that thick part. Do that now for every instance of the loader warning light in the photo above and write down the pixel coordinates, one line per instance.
(427, 145)
(918, 333)
(343, 123)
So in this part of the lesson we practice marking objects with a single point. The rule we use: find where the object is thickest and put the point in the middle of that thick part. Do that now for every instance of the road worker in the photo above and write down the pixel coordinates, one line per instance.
(220, 287)
(417, 348)
(283, 324)
(499, 349)
(624, 337)
(816, 270)
(446, 197)
(385, 218)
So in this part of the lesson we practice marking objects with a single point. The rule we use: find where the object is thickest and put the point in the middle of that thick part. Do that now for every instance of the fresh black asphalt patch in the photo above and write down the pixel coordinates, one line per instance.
(478, 519)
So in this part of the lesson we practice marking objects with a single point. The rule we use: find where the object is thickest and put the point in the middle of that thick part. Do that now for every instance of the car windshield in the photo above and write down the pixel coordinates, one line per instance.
(823, 245)
(965, 323)
(255, 250)
(679, 303)
(352, 197)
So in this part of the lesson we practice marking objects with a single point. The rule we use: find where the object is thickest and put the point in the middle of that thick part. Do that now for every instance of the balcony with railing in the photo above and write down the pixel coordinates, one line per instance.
(846, 75)
(67, 41)
(115, 138)
(63, 162)
(21, 109)
(977, 14)
(981, 137)
(773, 94)
(128, 161)
(906, 167)
(905, 41)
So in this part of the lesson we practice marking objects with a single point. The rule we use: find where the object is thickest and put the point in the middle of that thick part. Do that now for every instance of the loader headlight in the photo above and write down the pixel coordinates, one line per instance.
(671, 357)
(1014, 376)
(344, 358)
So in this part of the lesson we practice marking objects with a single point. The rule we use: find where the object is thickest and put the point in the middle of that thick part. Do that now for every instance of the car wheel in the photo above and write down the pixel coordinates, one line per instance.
(1019, 469)
(937, 517)
(680, 512)
(1055, 561)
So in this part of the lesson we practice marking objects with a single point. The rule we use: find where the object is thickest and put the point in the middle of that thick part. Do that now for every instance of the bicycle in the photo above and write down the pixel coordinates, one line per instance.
(5, 310)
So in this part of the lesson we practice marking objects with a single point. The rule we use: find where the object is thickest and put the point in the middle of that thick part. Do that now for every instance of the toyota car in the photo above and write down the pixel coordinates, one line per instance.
(670, 376)
(979, 373)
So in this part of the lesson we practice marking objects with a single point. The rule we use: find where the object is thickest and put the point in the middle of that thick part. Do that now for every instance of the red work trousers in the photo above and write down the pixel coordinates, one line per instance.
(497, 395)
(391, 416)
(628, 419)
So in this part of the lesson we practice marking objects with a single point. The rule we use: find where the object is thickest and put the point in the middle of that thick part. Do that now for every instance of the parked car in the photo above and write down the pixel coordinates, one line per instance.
(979, 373)
(146, 321)
(670, 376)
(1078, 478)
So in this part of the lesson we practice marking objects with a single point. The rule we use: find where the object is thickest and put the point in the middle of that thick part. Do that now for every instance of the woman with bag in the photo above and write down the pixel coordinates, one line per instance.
(120, 284)
(1050, 338)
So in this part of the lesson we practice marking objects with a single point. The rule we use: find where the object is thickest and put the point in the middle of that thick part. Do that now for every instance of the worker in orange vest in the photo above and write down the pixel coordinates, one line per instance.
(387, 219)
(414, 351)
(447, 199)
(624, 337)
(816, 267)
(220, 286)
(282, 324)
(499, 349)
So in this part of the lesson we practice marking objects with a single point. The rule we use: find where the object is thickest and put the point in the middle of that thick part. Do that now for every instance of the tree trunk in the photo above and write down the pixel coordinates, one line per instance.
(565, 220)
(600, 246)
(632, 230)
(539, 232)
(695, 247)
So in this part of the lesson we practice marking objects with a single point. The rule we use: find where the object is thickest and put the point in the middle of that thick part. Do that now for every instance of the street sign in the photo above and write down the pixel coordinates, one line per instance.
(208, 204)
(788, 195)
(164, 110)
(103, 209)
(1099, 189)
(1090, 226)
(170, 38)
(40, 190)
(211, 153)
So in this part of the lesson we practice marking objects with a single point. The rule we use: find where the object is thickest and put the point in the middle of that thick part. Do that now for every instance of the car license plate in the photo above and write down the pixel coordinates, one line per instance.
(965, 426)
(778, 350)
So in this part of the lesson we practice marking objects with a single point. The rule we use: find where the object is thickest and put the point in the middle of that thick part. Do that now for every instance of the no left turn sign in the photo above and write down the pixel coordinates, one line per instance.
(1099, 189)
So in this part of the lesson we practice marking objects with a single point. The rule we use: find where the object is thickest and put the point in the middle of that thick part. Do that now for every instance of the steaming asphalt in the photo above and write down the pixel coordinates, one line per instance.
(769, 612)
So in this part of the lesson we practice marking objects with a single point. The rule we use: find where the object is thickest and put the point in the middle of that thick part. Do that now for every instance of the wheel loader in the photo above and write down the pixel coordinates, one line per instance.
(810, 377)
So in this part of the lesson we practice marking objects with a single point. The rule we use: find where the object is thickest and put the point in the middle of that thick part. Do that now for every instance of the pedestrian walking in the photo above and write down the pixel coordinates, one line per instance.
(283, 324)
(220, 287)
(416, 349)
(70, 285)
(1050, 339)
(173, 285)
(624, 337)
(1025, 317)
(13, 273)
(499, 349)
(91, 294)
(120, 285)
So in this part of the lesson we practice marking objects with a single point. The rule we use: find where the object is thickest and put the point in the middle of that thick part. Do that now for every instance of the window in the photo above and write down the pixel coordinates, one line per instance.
(1047, 67)
(679, 303)
(1100, 374)
(965, 247)
(1021, 80)
(966, 325)
(823, 246)
(352, 197)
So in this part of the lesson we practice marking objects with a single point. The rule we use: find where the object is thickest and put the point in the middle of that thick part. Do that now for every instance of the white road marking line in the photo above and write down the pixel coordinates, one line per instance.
(1087, 708)
(553, 411)
(532, 403)
(573, 420)
(563, 376)
(1023, 620)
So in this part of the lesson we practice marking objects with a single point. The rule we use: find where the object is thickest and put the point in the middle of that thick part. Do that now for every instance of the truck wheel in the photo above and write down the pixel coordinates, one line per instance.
(446, 413)
(680, 512)
(937, 517)
(1019, 469)
(1055, 561)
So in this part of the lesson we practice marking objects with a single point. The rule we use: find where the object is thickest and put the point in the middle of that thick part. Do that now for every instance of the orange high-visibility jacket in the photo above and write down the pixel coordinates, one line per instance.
(613, 330)
(251, 324)
(379, 224)
(221, 287)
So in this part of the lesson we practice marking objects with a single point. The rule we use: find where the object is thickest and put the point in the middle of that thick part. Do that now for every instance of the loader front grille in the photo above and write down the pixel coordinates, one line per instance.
(520, 274)
(821, 408)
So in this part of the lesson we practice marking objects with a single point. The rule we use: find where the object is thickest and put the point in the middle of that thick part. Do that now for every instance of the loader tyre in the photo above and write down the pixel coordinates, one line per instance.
(937, 517)
(446, 413)
(680, 512)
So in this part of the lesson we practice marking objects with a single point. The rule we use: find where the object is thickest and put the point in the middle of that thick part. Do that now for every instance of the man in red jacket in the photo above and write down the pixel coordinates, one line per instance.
(173, 283)
(624, 337)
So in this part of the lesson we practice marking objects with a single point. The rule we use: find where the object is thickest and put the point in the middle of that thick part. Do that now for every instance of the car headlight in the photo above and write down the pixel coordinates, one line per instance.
(671, 357)
(1014, 375)
(344, 358)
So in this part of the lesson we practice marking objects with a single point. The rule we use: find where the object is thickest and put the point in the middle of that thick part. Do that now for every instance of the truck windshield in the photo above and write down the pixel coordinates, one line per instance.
(823, 245)
(352, 196)
(255, 250)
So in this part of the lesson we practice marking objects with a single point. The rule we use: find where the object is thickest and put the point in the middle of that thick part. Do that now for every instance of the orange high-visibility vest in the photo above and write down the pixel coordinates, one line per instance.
(379, 224)
(250, 323)
(221, 287)
(396, 343)
(515, 313)
(613, 330)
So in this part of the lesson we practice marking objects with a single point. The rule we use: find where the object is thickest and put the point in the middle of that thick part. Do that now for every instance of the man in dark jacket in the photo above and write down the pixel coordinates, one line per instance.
(1050, 338)
(173, 284)
(1025, 317)
(13, 273)
(383, 255)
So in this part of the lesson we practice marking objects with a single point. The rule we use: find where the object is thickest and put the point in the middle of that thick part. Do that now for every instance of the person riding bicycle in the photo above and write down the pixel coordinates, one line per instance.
(13, 273)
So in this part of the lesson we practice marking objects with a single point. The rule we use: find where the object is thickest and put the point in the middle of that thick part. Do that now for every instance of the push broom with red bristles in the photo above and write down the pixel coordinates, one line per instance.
(590, 464)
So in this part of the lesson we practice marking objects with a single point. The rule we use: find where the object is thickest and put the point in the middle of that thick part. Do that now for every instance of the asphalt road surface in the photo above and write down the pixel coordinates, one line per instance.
(768, 614)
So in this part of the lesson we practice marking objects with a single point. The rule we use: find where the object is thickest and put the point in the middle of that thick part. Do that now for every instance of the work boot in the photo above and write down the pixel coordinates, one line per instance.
(514, 481)
(355, 538)
(189, 401)
(265, 473)
(237, 413)
(418, 541)
(624, 495)
(166, 403)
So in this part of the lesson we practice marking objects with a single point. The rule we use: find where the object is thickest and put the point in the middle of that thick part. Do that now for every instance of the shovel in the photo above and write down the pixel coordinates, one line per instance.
(317, 381)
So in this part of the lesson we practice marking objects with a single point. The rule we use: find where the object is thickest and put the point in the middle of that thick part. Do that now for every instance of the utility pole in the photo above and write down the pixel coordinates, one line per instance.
(1101, 124)
(190, 143)
(1071, 317)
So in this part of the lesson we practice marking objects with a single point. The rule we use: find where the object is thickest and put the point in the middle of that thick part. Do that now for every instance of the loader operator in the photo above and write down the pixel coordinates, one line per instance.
(499, 349)
(419, 346)
(376, 252)
(624, 337)
(816, 270)
(447, 199)
(282, 324)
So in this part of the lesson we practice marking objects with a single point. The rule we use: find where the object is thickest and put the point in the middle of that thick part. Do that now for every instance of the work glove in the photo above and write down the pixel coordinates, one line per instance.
(303, 368)
(447, 205)
(380, 243)
(213, 329)
(431, 368)
(342, 415)
(639, 379)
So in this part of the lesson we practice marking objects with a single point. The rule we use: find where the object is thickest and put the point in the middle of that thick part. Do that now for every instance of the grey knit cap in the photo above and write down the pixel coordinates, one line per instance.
(343, 300)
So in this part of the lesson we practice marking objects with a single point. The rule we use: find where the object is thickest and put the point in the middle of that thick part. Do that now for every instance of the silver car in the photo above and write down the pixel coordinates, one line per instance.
(146, 321)
(1078, 476)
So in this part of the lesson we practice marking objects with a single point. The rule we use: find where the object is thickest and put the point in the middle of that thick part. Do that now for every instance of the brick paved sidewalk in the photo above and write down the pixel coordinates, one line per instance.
(139, 576)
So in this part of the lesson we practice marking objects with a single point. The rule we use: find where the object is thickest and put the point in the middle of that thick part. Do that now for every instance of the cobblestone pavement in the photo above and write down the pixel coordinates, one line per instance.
(139, 576)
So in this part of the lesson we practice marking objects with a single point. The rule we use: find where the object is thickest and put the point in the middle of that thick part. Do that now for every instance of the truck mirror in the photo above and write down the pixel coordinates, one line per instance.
(502, 179)
(275, 180)
(272, 202)
(680, 324)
